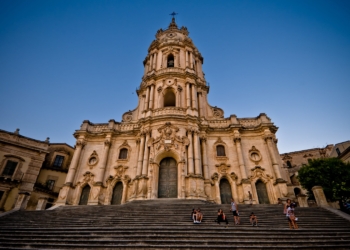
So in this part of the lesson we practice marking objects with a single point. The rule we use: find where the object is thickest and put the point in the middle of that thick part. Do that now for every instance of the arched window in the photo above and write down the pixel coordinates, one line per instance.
(289, 164)
(220, 150)
(123, 154)
(170, 61)
(169, 99)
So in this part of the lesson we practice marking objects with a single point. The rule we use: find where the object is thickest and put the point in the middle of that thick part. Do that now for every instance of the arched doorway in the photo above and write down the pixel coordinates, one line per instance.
(84, 197)
(297, 191)
(225, 192)
(262, 192)
(167, 184)
(117, 194)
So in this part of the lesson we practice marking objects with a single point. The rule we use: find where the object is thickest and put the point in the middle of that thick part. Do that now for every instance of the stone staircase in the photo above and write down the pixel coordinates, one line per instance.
(166, 224)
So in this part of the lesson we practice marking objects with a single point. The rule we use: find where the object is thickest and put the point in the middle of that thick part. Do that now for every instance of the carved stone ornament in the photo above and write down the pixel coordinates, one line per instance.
(218, 112)
(223, 168)
(287, 157)
(93, 159)
(254, 155)
(168, 138)
(88, 177)
(120, 171)
(259, 173)
(127, 116)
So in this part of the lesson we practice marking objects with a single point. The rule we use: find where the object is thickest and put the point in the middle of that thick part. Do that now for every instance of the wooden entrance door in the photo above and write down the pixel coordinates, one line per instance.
(84, 195)
(262, 192)
(117, 194)
(225, 192)
(167, 185)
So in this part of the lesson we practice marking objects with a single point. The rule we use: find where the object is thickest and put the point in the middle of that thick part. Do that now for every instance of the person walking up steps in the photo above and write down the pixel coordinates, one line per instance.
(234, 209)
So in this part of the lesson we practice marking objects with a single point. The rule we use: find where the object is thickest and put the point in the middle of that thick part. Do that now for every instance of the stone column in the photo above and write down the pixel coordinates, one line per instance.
(137, 151)
(191, 60)
(237, 141)
(22, 201)
(74, 163)
(188, 95)
(154, 61)
(41, 203)
(151, 56)
(151, 97)
(205, 158)
(186, 55)
(145, 156)
(159, 59)
(200, 104)
(190, 153)
(147, 99)
(101, 172)
(140, 156)
(194, 97)
(197, 166)
(275, 165)
(319, 196)
(178, 97)
(302, 200)
(217, 191)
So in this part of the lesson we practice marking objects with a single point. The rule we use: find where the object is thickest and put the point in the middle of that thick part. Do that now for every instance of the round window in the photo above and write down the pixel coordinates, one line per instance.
(93, 160)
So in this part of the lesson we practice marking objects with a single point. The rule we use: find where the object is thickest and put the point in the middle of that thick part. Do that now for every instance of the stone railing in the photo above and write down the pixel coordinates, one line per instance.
(97, 127)
(169, 111)
(219, 123)
(170, 70)
(249, 123)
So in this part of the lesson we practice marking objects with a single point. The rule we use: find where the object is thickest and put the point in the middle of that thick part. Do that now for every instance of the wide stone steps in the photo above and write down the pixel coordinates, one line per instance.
(166, 224)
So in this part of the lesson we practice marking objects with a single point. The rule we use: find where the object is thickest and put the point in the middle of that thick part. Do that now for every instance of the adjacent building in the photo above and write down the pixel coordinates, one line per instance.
(31, 170)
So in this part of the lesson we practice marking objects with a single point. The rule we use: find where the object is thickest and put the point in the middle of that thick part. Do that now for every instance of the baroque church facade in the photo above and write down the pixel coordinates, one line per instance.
(174, 144)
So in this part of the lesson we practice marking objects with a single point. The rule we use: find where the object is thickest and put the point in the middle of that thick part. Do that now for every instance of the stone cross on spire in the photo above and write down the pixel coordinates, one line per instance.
(173, 14)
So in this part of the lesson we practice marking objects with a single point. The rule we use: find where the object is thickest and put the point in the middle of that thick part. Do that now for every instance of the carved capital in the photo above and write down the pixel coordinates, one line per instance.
(107, 143)
(203, 138)
(80, 143)
(237, 139)
(269, 137)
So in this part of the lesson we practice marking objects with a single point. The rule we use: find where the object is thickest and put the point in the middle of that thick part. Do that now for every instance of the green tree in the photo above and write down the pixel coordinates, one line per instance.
(331, 173)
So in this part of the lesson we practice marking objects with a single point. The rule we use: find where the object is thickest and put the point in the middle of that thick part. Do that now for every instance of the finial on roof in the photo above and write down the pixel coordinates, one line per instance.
(173, 25)
(17, 131)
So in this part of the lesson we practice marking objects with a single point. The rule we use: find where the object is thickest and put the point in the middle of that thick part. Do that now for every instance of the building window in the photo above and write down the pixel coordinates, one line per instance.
(338, 151)
(10, 168)
(169, 99)
(220, 150)
(123, 154)
(170, 62)
(50, 184)
(289, 164)
(58, 161)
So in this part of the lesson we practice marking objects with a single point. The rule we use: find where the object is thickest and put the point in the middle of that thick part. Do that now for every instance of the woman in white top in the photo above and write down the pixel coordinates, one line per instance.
(234, 209)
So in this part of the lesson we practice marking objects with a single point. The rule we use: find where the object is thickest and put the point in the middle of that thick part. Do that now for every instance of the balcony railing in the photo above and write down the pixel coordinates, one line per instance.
(43, 187)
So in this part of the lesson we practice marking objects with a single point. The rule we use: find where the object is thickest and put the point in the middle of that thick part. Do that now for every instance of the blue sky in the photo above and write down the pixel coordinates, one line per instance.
(62, 62)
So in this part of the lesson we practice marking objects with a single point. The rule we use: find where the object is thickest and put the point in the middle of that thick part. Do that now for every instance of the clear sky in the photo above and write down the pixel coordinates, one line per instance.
(62, 62)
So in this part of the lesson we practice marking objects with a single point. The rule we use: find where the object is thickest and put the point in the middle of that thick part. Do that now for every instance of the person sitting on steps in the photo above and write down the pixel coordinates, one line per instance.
(199, 215)
(194, 216)
(221, 217)
(253, 219)
(292, 220)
